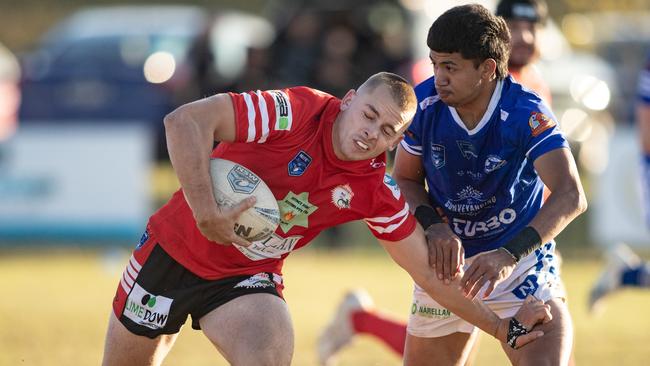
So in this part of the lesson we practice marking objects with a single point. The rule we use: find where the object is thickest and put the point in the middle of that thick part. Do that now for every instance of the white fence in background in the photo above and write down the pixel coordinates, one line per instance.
(75, 181)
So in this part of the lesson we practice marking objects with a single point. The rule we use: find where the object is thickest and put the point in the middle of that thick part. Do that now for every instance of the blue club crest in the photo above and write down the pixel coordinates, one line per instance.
(438, 155)
(299, 164)
(467, 149)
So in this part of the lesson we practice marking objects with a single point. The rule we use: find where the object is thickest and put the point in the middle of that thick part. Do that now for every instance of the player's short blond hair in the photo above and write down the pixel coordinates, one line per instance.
(400, 89)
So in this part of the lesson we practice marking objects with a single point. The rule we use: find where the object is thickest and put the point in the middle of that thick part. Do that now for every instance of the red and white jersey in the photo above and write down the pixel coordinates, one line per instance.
(285, 137)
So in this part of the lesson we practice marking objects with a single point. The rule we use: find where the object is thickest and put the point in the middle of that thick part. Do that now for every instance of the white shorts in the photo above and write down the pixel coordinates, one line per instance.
(536, 274)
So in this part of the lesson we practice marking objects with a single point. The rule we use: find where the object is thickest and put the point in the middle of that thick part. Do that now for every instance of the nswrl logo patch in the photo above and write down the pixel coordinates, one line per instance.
(438, 155)
(299, 164)
(242, 180)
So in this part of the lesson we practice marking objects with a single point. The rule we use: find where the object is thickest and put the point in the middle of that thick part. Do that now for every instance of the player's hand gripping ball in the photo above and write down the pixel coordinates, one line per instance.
(231, 183)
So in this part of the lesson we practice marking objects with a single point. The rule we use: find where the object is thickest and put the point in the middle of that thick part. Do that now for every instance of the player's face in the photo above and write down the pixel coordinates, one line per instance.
(523, 43)
(370, 123)
(458, 81)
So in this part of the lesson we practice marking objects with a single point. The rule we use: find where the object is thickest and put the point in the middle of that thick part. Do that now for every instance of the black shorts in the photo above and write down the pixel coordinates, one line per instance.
(156, 293)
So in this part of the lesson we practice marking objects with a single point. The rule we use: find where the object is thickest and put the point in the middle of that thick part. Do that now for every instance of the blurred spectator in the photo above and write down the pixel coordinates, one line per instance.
(9, 93)
(624, 267)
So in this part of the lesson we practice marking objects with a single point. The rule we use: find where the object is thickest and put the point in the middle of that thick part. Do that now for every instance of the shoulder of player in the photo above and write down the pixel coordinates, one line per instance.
(426, 93)
(305, 92)
(518, 104)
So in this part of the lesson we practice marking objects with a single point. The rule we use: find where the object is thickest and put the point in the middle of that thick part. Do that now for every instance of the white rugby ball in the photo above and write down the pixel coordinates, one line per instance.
(231, 183)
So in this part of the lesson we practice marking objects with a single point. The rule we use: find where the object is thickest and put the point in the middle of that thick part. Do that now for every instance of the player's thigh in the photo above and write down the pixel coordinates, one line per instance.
(123, 348)
(554, 348)
(253, 329)
(452, 349)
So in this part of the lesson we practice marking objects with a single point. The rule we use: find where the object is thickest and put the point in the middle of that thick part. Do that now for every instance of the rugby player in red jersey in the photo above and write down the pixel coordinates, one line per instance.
(324, 160)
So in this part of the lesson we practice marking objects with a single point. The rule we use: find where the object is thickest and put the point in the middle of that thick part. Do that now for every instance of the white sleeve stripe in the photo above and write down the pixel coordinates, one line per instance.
(131, 272)
(264, 113)
(251, 117)
(135, 264)
(383, 220)
(127, 278)
(387, 229)
(544, 139)
(413, 150)
(125, 287)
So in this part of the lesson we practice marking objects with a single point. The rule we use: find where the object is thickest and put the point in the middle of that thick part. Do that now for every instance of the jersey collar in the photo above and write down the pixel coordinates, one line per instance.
(494, 101)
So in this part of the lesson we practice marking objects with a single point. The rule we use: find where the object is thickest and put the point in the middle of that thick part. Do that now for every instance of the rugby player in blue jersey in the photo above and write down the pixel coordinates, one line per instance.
(485, 147)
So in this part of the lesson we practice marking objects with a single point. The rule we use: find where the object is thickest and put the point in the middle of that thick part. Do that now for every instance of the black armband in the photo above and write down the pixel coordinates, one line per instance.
(427, 216)
(524, 243)
(515, 329)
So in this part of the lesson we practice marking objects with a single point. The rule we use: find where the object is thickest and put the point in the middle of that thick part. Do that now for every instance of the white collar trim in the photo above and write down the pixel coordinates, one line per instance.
(494, 100)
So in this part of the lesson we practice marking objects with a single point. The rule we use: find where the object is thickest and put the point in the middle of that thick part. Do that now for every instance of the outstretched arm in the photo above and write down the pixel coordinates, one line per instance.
(446, 253)
(411, 254)
(191, 131)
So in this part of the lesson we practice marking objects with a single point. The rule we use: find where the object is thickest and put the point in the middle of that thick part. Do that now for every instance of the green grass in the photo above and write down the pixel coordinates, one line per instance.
(55, 305)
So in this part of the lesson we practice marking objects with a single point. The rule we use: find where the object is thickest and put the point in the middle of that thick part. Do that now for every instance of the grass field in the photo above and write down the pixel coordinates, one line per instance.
(54, 306)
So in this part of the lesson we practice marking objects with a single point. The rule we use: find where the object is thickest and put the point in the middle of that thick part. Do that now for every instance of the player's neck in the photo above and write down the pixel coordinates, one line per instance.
(472, 112)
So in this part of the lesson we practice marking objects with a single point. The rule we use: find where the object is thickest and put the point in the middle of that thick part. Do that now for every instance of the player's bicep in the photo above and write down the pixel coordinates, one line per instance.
(557, 170)
(212, 116)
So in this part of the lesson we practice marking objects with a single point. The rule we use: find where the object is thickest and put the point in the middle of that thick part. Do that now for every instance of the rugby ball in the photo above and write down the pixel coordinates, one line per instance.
(231, 183)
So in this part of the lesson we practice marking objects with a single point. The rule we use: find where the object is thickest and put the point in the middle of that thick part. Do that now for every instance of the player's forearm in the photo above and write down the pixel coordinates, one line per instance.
(414, 192)
(451, 297)
(558, 211)
(189, 151)
(411, 254)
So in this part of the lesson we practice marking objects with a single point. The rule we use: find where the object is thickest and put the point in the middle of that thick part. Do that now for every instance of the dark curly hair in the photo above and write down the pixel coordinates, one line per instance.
(475, 33)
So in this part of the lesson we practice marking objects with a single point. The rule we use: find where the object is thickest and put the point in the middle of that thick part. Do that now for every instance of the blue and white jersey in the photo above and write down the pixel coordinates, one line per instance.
(644, 82)
(484, 178)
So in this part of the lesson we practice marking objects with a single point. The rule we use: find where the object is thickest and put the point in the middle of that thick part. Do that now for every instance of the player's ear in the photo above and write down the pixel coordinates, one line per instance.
(393, 146)
(488, 68)
(347, 99)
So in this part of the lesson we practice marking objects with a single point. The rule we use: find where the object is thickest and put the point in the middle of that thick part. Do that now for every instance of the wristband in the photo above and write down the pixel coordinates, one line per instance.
(427, 216)
(515, 329)
(524, 243)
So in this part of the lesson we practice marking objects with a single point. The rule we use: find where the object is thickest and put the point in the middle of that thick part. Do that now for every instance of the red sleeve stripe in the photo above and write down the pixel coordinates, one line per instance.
(251, 117)
(402, 215)
(264, 113)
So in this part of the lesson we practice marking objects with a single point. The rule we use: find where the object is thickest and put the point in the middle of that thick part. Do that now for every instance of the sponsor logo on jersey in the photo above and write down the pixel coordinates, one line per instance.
(467, 149)
(392, 185)
(492, 163)
(147, 309)
(376, 164)
(539, 122)
(242, 180)
(504, 115)
(283, 118)
(299, 164)
(491, 226)
(429, 312)
(295, 210)
(469, 201)
(143, 239)
(438, 155)
(477, 176)
(429, 101)
(272, 247)
(527, 287)
(342, 196)
(260, 280)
